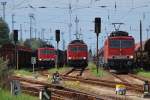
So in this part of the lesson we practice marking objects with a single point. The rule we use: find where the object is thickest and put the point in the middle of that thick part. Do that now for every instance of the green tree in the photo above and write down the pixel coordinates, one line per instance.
(5, 72)
(34, 44)
(4, 32)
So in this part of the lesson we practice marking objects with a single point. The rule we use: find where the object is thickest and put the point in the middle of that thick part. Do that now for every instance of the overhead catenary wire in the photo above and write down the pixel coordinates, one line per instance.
(58, 21)
(131, 10)
(20, 3)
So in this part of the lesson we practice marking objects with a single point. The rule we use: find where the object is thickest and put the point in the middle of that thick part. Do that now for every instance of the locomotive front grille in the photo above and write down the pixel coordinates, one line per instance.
(120, 62)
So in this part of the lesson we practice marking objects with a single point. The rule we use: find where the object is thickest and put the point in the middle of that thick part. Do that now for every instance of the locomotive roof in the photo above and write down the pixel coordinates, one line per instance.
(77, 41)
(118, 33)
(120, 37)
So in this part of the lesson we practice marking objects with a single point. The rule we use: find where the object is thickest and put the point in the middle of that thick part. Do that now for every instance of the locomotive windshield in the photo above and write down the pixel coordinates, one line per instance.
(121, 43)
(75, 49)
(47, 52)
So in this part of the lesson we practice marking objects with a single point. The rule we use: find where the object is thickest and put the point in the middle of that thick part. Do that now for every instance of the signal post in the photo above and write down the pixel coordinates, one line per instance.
(15, 37)
(57, 34)
(97, 31)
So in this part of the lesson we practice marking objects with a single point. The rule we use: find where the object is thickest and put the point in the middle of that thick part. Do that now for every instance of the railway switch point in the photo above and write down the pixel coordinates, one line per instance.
(146, 88)
(120, 89)
(45, 94)
(15, 87)
(35, 75)
(56, 78)
(48, 76)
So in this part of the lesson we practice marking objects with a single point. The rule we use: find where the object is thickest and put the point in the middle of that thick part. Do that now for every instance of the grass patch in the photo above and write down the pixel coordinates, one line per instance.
(143, 73)
(93, 69)
(60, 70)
(72, 84)
(5, 95)
(22, 72)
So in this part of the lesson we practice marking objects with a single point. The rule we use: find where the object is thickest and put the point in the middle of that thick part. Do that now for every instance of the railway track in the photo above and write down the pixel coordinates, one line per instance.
(128, 78)
(111, 84)
(75, 71)
(138, 88)
(33, 87)
(140, 78)
(35, 92)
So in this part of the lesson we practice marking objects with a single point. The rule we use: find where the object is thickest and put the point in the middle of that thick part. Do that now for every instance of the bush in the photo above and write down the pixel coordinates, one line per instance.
(138, 70)
(4, 73)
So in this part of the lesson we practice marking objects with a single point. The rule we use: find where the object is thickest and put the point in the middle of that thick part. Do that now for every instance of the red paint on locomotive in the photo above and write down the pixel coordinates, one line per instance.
(46, 56)
(46, 53)
(77, 54)
(119, 52)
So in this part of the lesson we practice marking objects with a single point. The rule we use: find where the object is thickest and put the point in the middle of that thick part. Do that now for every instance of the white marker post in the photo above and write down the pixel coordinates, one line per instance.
(33, 61)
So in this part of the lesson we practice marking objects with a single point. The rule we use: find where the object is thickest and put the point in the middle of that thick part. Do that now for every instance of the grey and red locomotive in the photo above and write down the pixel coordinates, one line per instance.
(118, 52)
(77, 54)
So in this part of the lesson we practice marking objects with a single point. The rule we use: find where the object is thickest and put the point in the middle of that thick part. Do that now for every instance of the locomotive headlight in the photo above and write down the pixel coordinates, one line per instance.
(40, 59)
(131, 57)
(84, 57)
(69, 58)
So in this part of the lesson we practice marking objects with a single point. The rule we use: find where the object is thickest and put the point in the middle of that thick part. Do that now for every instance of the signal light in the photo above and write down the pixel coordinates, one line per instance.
(15, 35)
(57, 34)
(97, 25)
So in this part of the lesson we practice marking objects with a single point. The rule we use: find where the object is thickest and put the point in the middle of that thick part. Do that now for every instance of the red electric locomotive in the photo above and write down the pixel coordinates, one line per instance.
(118, 51)
(77, 54)
(46, 56)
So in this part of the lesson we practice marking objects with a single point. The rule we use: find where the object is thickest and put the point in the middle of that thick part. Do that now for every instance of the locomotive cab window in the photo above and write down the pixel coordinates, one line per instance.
(121, 43)
(74, 49)
(114, 43)
(82, 48)
(47, 52)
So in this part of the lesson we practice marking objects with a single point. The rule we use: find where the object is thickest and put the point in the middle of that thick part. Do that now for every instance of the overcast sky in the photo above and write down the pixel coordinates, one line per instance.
(56, 16)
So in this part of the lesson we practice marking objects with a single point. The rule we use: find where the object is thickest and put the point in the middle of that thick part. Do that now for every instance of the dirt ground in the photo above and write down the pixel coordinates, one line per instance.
(99, 90)
(104, 91)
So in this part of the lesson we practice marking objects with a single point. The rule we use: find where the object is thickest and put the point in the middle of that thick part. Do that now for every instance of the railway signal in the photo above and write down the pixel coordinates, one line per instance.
(97, 31)
(57, 35)
(97, 25)
(15, 35)
(141, 49)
